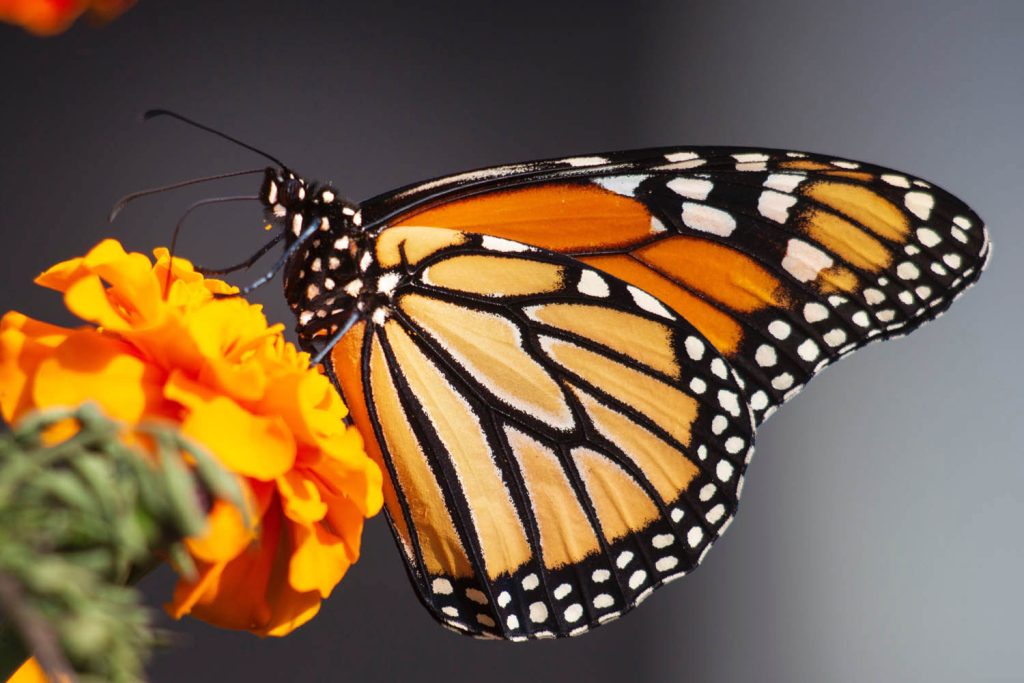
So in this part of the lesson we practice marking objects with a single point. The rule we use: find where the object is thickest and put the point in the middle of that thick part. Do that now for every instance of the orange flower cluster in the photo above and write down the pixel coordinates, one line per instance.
(233, 385)
(50, 17)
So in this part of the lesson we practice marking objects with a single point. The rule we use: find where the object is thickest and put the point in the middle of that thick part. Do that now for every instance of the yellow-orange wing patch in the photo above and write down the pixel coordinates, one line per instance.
(559, 442)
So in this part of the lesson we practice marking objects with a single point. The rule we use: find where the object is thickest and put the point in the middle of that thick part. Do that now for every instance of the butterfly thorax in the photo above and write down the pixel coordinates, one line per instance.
(322, 279)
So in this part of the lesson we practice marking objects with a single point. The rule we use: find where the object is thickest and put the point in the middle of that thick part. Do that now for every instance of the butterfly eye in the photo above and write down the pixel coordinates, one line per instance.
(293, 190)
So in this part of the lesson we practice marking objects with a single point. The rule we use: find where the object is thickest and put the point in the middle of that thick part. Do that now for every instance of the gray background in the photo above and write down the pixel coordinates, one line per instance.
(879, 537)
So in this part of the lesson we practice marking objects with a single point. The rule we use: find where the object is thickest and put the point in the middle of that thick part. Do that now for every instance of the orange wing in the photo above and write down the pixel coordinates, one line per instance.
(785, 261)
(559, 443)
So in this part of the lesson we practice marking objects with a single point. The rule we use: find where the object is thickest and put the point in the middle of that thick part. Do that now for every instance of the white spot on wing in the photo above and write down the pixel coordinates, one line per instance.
(729, 402)
(715, 513)
(895, 180)
(815, 312)
(907, 271)
(804, 261)
(779, 329)
(501, 244)
(681, 156)
(835, 337)
(691, 188)
(625, 185)
(784, 182)
(766, 356)
(708, 219)
(694, 348)
(919, 203)
(750, 161)
(928, 237)
(775, 205)
(623, 559)
(724, 470)
(663, 540)
(808, 350)
(441, 586)
(573, 613)
(585, 161)
(592, 284)
(538, 612)
(649, 303)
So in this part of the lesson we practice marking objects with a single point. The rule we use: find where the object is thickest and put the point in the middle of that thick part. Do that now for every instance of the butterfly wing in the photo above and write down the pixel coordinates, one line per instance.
(560, 443)
(785, 261)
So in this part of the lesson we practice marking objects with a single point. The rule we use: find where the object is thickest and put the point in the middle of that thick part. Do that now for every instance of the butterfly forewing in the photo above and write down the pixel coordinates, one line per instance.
(560, 442)
(785, 261)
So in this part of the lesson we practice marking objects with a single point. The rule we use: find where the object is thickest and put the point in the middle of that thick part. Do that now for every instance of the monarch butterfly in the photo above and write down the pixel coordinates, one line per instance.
(561, 364)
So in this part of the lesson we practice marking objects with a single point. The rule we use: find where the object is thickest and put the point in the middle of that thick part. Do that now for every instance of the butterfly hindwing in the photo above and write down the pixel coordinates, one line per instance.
(559, 442)
(785, 261)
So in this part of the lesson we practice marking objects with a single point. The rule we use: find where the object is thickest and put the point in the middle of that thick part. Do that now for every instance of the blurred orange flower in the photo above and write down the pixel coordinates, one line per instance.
(49, 17)
(235, 386)
(29, 672)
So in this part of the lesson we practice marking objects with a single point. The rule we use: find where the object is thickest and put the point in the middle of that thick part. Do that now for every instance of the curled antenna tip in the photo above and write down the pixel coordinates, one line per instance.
(151, 113)
(121, 203)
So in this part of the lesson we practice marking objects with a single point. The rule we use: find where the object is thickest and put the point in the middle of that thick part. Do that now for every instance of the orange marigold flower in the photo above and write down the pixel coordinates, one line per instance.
(50, 17)
(233, 385)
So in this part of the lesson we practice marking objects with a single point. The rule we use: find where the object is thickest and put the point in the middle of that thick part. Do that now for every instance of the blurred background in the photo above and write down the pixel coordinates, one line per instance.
(879, 536)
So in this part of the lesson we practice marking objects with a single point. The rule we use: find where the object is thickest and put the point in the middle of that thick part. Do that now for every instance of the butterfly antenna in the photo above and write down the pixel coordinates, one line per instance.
(153, 113)
(128, 198)
(181, 222)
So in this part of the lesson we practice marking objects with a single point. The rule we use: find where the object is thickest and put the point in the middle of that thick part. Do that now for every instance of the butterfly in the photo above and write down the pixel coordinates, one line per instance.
(561, 364)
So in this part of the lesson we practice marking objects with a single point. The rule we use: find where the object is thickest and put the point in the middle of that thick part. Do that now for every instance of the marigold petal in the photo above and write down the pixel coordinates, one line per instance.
(235, 594)
(358, 479)
(255, 446)
(185, 277)
(300, 497)
(346, 521)
(187, 594)
(29, 672)
(91, 366)
(24, 344)
(61, 275)
(319, 559)
(291, 610)
(226, 534)
(87, 298)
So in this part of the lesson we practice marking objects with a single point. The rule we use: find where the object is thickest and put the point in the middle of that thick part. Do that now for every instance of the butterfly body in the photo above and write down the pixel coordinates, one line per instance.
(561, 364)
